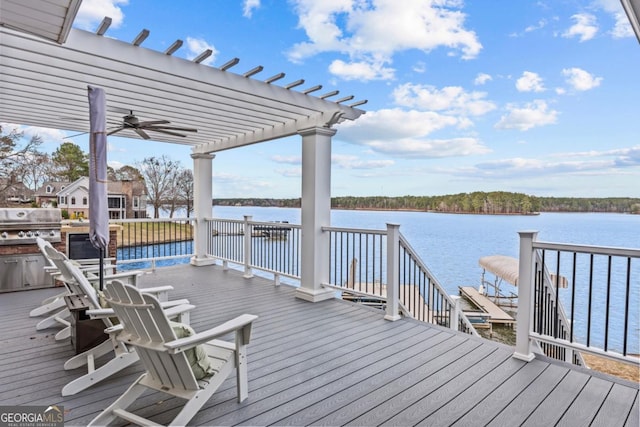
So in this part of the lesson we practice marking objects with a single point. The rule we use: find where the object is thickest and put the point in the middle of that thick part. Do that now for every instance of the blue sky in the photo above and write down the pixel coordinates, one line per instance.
(538, 97)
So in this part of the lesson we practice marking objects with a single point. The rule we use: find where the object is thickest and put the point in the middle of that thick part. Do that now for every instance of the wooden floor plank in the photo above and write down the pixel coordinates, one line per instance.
(329, 363)
(616, 409)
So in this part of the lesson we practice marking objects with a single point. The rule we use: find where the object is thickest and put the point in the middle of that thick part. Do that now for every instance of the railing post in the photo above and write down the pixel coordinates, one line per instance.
(248, 273)
(454, 316)
(393, 264)
(526, 301)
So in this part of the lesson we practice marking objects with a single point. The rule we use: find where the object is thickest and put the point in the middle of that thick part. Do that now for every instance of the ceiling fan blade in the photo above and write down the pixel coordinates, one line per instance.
(77, 134)
(167, 132)
(153, 122)
(142, 133)
(173, 128)
(116, 130)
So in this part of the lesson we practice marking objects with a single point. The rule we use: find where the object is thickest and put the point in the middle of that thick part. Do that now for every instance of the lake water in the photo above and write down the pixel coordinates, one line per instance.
(452, 244)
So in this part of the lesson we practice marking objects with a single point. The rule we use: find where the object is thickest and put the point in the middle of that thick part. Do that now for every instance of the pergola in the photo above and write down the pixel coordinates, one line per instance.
(46, 66)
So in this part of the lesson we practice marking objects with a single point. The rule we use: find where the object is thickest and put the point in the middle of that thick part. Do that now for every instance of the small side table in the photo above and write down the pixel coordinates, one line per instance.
(86, 332)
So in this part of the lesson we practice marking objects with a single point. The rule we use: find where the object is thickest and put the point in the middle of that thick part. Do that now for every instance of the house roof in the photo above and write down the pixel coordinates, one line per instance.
(56, 185)
(44, 83)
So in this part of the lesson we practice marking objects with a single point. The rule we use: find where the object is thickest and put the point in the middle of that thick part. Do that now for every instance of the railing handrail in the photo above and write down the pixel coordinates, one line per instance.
(355, 230)
(588, 249)
(142, 220)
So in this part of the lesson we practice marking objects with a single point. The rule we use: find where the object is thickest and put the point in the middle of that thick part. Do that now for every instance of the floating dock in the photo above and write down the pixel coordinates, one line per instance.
(495, 313)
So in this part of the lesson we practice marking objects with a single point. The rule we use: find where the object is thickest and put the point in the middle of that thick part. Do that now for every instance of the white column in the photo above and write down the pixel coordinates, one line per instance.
(316, 213)
(202, 195)
(526, 303)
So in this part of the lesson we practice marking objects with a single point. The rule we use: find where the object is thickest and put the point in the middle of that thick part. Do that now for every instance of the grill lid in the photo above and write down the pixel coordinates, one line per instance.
(29, 218)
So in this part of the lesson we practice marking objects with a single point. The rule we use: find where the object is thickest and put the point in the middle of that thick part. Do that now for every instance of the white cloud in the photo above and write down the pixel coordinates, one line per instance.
(373, 31)
(354, 162)
(46, 134)
(580, 79)
(197, 46)
(92, 12)
(530, 82)
(481, 79)
(292, 160)
(585, 27)
(360, 70)
(249, 6)
(616, 161)
(290, 172)
(401, 133)
(450, 99)
(531, 115)
(622, 27)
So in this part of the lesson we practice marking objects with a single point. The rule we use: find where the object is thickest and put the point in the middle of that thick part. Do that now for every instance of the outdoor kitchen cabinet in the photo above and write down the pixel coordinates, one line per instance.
(22, 272)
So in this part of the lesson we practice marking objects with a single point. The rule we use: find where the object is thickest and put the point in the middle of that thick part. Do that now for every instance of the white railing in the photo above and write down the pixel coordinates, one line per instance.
(379, 267)
(269, 247)
(575, 299)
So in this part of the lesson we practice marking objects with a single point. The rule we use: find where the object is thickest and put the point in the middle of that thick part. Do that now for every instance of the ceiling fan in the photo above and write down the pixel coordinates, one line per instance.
(130, 121)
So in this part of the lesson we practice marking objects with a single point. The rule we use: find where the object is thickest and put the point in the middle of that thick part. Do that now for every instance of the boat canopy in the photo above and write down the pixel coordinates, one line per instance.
(505, 267)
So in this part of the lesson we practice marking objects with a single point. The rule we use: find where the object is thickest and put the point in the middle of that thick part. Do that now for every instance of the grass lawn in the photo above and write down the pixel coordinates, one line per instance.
(142, 233)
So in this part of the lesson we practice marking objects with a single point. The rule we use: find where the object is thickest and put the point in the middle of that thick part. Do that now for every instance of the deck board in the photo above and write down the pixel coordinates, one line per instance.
(329, 363)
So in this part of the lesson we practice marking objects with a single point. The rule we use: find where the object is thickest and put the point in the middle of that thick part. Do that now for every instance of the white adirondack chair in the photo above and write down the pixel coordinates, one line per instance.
(124, 355)
(147, 328)
(56, 302)
(61, 318)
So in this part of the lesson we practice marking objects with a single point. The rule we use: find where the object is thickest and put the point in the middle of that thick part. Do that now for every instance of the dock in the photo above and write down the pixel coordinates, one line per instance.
(495, 313)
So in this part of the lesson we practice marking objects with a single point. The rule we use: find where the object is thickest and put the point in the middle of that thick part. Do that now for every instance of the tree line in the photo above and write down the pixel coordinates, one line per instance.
(490, 203)
(168, 184)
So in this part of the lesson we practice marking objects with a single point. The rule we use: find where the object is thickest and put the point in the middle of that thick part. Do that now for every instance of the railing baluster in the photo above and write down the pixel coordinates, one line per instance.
(626, 307)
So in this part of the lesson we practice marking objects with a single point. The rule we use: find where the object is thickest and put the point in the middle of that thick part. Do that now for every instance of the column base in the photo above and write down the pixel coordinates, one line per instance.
(525, 357)
(315, 295)
(200, 262)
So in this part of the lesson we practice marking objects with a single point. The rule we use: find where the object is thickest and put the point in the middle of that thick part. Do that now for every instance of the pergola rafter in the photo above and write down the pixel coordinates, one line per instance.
(43, 83)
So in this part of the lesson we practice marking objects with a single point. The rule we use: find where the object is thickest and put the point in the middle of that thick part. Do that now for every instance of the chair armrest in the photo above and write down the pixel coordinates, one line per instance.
(114, 329)
(235, 325)
(173, 303)
(178, 309)
(100, 313)
(156, 289)
(131, 273)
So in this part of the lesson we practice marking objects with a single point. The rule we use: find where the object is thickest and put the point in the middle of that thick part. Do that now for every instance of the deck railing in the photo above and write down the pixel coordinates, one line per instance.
(269, 247)
(144, 243)
(598, 290)
(379, 267)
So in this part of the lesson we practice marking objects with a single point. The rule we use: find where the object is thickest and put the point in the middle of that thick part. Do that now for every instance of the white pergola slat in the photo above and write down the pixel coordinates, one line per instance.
(44, 84)
(50, 19)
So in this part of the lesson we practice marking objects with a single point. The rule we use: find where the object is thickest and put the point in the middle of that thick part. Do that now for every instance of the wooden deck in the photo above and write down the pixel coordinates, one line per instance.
(496, 314)
(330, 363)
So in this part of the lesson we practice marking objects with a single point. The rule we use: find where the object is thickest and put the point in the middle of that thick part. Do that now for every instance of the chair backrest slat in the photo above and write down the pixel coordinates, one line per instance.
(147, 328)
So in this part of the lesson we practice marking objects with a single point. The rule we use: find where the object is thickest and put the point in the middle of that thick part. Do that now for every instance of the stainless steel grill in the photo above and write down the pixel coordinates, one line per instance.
(21, 263)
(21, 226)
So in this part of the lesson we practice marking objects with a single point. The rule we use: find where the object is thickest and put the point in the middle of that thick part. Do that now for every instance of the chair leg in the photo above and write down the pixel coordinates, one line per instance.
(123, 402)
(113, 366)
(81, 359)
(56, 302)
(194, 404)
(52, 320)
(64, 334)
